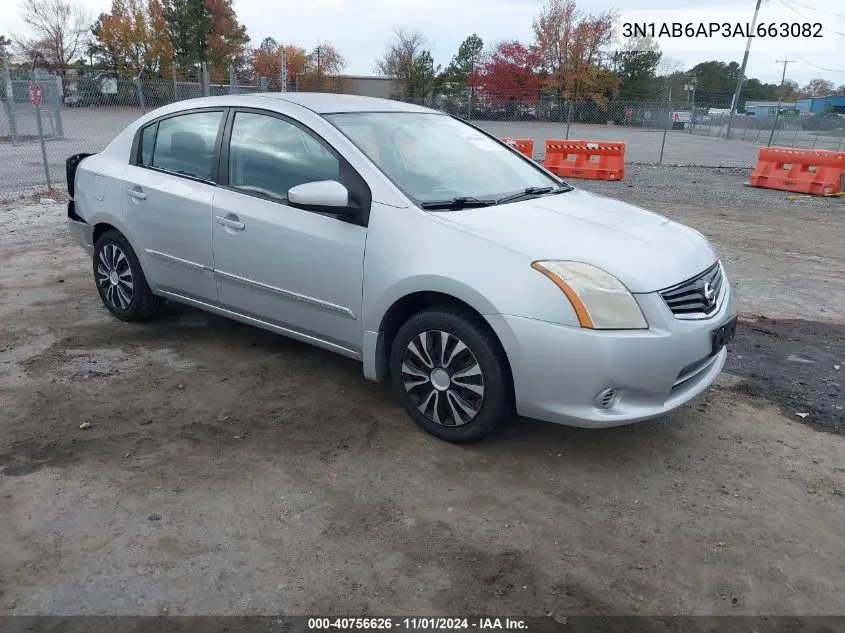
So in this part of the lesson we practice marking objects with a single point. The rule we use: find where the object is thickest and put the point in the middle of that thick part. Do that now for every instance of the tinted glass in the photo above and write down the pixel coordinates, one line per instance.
(436, 157)
(147, 140)
(269, 156)
(185, 144)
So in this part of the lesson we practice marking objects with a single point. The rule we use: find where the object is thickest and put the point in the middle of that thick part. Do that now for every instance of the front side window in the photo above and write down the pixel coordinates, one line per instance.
(268, 156)
(185, 144)
(433, 156)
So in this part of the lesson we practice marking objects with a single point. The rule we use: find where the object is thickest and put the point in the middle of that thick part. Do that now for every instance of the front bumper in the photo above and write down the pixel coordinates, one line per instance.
(560, 371)
(81, 231)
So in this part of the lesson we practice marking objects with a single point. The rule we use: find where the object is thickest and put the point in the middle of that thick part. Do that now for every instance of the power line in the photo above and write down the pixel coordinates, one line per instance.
(804, 59)
(828, 70)
(807, 6)
(793, 9)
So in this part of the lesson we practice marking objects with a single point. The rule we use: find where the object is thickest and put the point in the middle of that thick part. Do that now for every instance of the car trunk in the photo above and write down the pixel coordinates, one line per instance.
(71, 164)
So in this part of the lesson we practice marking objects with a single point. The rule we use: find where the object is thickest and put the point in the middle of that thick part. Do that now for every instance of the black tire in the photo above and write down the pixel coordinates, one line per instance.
(112, 252)
(483, 348)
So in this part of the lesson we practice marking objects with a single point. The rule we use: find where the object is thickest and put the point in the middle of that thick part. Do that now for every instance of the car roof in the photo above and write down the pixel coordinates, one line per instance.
(327, 103)
(317, 102)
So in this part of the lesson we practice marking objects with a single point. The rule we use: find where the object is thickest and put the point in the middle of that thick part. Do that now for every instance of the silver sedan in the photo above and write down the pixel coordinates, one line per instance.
(476, 281)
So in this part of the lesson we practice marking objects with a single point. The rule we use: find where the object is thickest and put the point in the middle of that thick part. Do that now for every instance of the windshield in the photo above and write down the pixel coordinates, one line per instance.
(434, 157)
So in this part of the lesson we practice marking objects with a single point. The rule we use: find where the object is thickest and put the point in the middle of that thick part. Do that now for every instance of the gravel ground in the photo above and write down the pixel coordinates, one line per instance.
(231, 471)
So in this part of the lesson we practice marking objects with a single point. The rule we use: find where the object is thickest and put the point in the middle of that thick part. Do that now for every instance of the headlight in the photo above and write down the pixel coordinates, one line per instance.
(600, 300)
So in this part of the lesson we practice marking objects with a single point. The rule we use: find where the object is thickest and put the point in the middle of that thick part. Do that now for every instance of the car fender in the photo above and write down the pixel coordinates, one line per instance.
(117, 223)
(108, 210)
(489, 277)
(432, 283)
(410, 250)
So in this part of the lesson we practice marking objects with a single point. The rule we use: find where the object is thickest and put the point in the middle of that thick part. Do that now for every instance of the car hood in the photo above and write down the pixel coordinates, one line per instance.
(644, 250)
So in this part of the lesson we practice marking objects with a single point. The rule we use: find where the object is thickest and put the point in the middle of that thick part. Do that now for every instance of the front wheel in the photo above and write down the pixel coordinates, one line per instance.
(120, 279)
(451, 374)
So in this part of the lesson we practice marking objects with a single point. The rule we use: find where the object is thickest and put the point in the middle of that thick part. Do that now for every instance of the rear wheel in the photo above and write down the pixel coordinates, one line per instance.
(120, 279)
(451, 375)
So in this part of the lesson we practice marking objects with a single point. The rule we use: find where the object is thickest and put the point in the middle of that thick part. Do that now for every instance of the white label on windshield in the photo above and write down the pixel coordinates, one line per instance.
(482, 142)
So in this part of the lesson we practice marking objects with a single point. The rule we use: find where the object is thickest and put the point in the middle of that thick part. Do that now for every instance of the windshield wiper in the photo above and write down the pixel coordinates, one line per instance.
(532, 191)
(457, 203)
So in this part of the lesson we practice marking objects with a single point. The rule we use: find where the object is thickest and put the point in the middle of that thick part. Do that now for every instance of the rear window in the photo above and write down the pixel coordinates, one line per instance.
(148, 137)
(184, 144)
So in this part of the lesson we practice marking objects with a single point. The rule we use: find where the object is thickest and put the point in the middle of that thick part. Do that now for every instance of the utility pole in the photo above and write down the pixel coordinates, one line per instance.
(283, 71)
(469, 87)
(784, 62)
(318, 69)
(691, 96)
(780, 98)
(741, 77)
(690, 87)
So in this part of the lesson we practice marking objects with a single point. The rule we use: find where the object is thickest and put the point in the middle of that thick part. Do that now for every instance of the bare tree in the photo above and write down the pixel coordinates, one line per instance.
(60, 31)
(409, 61)
(668, 66)
(5, 53)
(818, 87)
(400, 56)
(322, 67)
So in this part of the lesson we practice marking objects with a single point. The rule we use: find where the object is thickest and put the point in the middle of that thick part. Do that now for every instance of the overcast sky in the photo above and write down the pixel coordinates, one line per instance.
(361, 29)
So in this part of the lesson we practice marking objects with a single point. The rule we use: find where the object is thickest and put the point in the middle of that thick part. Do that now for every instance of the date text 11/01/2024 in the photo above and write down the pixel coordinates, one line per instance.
(722, 29)
(417, 624)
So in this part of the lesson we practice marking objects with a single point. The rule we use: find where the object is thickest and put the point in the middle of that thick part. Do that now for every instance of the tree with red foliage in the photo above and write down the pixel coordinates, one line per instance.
(267, 59)
(510, 72)
(228, 39)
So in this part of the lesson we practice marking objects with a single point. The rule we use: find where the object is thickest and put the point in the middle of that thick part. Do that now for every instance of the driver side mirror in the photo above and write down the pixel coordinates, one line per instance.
(324, 196)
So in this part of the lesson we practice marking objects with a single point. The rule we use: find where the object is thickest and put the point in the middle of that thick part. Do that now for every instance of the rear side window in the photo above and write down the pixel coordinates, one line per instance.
(268, 156)
(148, 137)
(185, 144)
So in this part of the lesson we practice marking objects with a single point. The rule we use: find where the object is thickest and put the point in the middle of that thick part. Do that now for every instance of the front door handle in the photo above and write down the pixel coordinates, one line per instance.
(232, 224)
(136, 193)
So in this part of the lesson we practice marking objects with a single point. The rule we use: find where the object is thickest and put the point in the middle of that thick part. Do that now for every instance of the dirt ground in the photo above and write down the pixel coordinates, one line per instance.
(231, 471)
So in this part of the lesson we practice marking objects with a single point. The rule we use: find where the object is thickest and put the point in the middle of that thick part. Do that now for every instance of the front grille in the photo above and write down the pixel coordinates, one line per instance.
(697, 297)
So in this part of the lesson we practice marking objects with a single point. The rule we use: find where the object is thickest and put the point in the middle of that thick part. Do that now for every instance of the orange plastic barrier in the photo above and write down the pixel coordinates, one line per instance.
(522, 145)
(594, 160)
(812, 171)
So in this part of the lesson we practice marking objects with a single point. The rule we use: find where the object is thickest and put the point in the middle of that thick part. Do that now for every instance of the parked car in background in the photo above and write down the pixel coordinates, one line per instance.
(83, 99)
(826, 122)
(474, 280)
(73, 100)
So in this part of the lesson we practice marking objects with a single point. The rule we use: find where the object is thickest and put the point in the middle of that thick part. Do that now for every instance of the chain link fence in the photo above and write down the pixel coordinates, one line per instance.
(84, 112)
(20, 118)
(818, 131)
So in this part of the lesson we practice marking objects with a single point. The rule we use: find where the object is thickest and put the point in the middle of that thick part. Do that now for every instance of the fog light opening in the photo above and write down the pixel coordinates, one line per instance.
(607, 398)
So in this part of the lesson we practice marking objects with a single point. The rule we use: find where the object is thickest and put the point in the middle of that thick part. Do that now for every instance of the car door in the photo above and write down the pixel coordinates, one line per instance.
(168, 189)
(298, 269)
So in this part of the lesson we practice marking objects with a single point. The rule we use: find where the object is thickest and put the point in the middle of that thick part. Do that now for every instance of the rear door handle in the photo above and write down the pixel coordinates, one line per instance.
(136, 193)
(232, 224)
